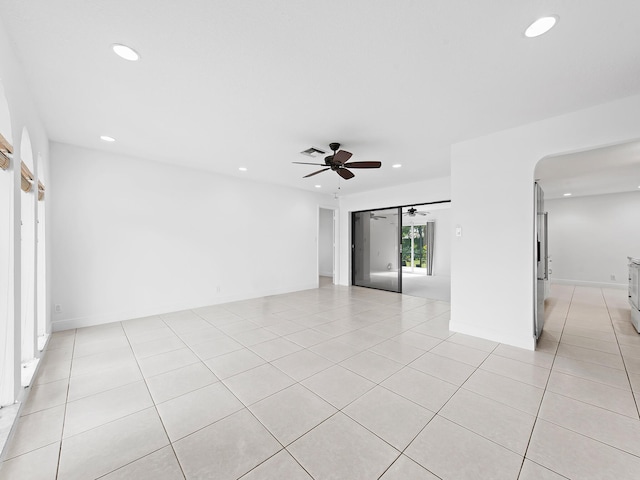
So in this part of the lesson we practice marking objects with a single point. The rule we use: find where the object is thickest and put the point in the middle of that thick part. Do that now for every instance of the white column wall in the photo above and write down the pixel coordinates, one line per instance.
(492, 192)
(135, 237)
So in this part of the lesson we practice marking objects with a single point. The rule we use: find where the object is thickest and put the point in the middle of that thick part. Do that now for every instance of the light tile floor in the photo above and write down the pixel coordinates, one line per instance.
(336, 383)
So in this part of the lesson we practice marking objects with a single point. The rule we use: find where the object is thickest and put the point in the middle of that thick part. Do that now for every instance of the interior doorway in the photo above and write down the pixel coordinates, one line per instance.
(592, 198)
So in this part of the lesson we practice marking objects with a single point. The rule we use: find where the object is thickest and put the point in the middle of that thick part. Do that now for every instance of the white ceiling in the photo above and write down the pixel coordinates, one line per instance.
(224, 84)
(611, 169)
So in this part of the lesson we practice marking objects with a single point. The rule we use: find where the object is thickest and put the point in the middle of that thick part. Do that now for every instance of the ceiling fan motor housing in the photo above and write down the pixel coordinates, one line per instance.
(328, 160)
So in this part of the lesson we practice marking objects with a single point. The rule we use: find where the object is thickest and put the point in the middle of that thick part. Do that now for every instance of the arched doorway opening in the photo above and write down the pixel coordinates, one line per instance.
(591, 199)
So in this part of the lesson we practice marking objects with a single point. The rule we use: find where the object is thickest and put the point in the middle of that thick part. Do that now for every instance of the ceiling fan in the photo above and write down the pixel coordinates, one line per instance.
(337, 163)
(376, 217)
(412, 212)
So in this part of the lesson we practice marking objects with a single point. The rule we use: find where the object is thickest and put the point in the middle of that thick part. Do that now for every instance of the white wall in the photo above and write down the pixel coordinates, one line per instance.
(325, 243)
(135, 237)
(443, 237)
(492, 193)
(434, 190)
(591, 237)
(383, 239)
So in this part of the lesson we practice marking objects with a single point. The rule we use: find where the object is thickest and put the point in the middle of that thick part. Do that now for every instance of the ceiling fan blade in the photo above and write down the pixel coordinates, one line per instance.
(342, 156)
(315, 173)
(344, 173)
(363, 164)
(307, 163)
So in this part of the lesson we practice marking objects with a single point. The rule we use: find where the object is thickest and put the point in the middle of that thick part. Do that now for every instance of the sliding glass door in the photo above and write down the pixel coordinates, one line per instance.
(376, 256)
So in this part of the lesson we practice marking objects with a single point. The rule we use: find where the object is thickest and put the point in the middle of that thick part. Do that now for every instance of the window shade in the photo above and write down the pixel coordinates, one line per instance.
(5, 150)
(26, 177)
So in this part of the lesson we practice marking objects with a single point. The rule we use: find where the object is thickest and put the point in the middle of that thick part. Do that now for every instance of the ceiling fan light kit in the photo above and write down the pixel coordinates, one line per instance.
(337, 162)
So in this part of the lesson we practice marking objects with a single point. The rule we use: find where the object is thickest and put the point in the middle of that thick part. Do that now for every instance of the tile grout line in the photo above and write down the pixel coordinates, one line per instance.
(581, 401)
(626, 370)
(114, 420)
(64, 415)
(535, 421)
(379, 384)
(245, 407)
(154, 404)
(458, 388)
(338, 410)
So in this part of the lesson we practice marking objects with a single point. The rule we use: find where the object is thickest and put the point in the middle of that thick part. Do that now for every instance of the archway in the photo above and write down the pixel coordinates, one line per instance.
(592, 198)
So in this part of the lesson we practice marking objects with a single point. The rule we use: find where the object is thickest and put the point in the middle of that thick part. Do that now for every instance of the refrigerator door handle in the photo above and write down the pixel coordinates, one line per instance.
(546, 247)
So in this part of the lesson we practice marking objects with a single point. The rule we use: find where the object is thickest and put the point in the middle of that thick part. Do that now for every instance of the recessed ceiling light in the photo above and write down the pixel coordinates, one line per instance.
(242, 169)
(566, 194)
(320, 186)
(540, 26)
(397, 165)
(107, 138)
(125, 52)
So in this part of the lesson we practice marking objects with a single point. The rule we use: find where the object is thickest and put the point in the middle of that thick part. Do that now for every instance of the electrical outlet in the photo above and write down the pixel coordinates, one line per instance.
(613, 277)
(218, 289)
(58, 308)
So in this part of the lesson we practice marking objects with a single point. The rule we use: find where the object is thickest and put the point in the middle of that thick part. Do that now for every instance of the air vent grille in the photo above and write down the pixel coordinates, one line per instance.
(313, 152)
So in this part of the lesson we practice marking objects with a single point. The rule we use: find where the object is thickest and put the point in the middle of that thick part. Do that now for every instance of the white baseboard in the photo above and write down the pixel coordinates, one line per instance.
(528, 342)
(101, 319)
(326, 274)
(582, 283)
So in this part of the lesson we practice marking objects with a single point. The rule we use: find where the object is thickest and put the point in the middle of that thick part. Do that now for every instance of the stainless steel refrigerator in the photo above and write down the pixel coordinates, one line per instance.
(541, 260)
(634, 291)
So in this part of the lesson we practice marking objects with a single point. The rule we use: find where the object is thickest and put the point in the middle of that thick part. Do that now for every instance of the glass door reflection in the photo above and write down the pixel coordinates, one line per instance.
(376, 253)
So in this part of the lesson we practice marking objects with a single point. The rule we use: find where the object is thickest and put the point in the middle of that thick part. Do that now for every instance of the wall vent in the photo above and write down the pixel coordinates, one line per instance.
(313, 152)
